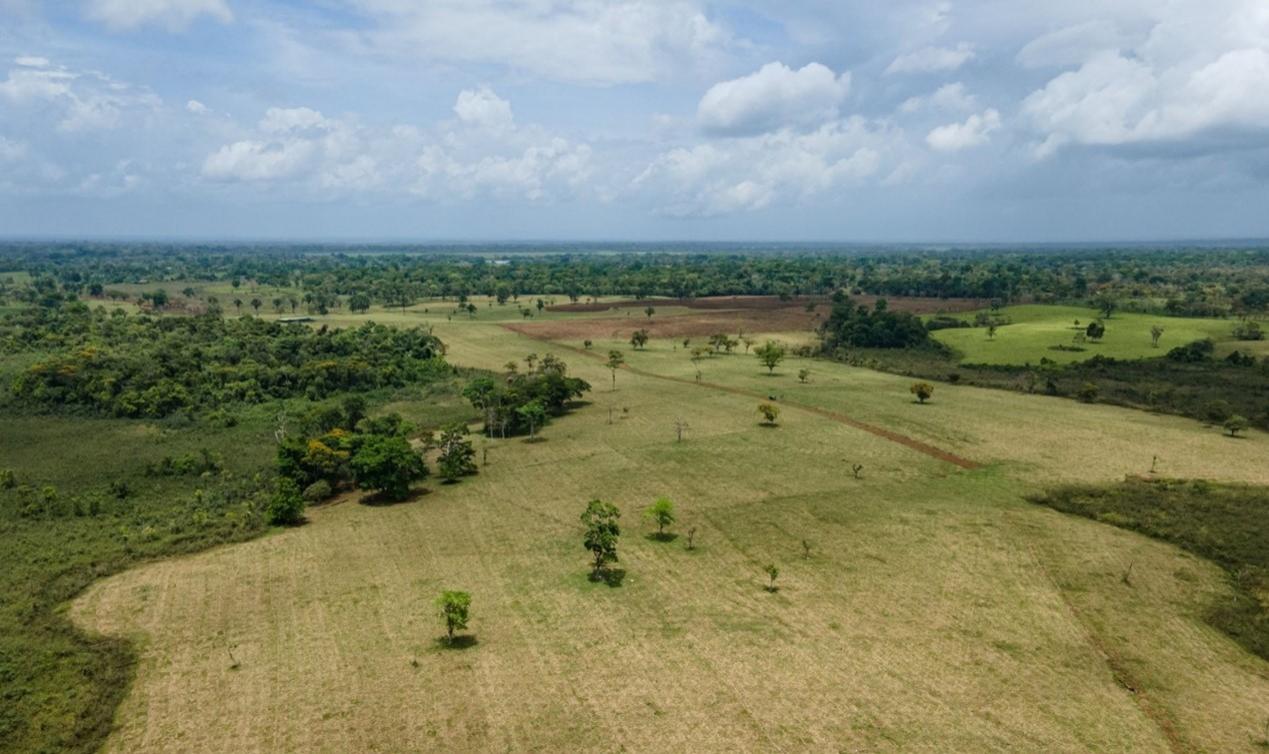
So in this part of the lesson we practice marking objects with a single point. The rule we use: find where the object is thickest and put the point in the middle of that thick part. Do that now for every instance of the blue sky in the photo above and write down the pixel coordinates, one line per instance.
(985, 120)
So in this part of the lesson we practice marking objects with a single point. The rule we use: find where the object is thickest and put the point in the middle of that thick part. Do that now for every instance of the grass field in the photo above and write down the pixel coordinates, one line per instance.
(1034, 329)
(936, 611)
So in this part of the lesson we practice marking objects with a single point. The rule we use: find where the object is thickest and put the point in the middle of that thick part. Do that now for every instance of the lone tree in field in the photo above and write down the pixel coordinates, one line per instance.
(387, 465)
(650, 311)
(1106, 305)
(615, 360)
(639, 339)
(534, 414)
(661, 513)
(803, 375)
(770, 354)
(1235, 424)
(602, 531)
(286, 507)
(1095, 331)
(1156, 332)
(922, 391)
(991, 331)
(770, 413)
(773, 573)
(458, 457)
(455, 608)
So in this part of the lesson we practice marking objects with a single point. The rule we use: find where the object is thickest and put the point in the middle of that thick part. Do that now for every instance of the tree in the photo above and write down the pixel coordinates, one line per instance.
(457, 457)
(991, 331)
(455, 608)
(661, 513)
(1087, 392)
(803, 374)
(1095, 330)
(359, 302)
(615, 360)
(639, 339)
(602, 532)
(770, 354)
(286, 507)
(534, 414)
(922, 391)
(770, 412)
(1235, 424)
(256, 303)
(238, 305)
(773, 572)
(587, 344)
(1106, 305)
(650, 311)
(387, 464)
(1156, 332)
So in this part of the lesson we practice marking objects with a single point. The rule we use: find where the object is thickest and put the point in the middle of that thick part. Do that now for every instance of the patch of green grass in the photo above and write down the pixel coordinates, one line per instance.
(1034, 330)
(1228, 524)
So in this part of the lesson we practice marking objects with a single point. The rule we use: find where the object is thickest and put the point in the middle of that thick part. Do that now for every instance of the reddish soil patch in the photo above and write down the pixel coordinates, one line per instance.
(914, 304)
(677, 326)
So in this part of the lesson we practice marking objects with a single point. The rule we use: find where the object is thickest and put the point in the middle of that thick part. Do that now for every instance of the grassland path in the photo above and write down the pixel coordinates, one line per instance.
(886, 434)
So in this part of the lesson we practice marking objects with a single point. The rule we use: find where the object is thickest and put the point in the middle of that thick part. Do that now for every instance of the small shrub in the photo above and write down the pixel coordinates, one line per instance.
(286, 507)
(318, 491)
(922, 390)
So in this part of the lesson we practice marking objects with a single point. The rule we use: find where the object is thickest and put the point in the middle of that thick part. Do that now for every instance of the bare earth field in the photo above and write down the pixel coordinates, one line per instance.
(937, 611)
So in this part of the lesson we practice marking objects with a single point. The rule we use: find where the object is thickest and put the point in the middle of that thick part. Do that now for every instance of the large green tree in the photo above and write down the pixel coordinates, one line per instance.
(387, 464)
(602, 532)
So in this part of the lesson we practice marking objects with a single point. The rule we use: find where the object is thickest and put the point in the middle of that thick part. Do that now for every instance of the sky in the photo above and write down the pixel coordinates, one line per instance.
(825, 120)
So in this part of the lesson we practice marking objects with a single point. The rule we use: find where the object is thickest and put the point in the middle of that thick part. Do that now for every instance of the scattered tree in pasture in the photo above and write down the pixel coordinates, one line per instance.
(1087, 392)
(256, 303)
(650, 311)
(286, 506)
(1248, 330)
(691, 538)
(680, 426)
(615, 360)
(747, 341)
(388, 465)
(1095, 331)
(455, 608)
(639, 338)
(770, 413)
(457, 457)
(806, 549)
(587, 344)
(773, 572)
(602, 533)
(661, 513)
(770, 354)
(803, 375)
(991, 331)
(238, 305)
(857, 470)
(534, 414)
(1235, 424)
(541, 305)
(1106, 304)
(1156, 332)
(922, 390)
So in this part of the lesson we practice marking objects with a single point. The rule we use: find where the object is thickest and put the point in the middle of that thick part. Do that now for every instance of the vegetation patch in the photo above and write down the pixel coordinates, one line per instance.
(1225, 523)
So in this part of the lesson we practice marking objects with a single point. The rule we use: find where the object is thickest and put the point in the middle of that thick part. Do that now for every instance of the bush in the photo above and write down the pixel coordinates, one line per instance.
(1087, 392)
(318, 491)
(286, 507)
(922, 391)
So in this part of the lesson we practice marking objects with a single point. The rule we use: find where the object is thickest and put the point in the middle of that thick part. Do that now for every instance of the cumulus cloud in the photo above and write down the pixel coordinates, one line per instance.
(195, 107)
(481, 107)
(972, 132)
(32, 61)
(773, 97)
(932, 59)
(950, 97)
(579, 41)
(751, 173)
(481, 154)
(172, 14)
(81, 100)
(1071, 45)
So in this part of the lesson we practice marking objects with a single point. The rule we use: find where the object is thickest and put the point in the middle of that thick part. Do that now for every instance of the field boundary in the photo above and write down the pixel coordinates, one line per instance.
(885, 434)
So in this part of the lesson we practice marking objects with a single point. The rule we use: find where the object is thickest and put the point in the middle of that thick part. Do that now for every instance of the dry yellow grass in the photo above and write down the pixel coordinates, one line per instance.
(937, 611)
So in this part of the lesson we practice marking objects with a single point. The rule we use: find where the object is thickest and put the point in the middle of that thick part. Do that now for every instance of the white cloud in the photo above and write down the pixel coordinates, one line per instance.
(80, 100)
(172, 14)
(196, 107)
(258, 161)
(746, 174)
(1071, 45)
(949, 97)
(280, 120)
(581, 41)
(932, 59)
(973, 132)
(31, 61)
(773, 97)
(482, 108)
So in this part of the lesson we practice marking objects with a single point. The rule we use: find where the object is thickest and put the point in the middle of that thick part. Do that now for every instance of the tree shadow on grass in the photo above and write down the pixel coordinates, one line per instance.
(664, 536)
(383, 500)
(613, 577)
(460, 642)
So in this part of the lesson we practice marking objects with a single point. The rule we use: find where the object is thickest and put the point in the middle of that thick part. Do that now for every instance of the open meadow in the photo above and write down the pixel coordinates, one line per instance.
(922, 603)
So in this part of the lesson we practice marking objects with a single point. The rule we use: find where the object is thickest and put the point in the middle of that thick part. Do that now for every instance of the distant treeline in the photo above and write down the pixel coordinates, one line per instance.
(1182, 281)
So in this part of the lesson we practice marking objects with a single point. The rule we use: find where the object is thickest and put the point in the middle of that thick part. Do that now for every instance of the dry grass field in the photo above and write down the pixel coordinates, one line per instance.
(937, 611)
